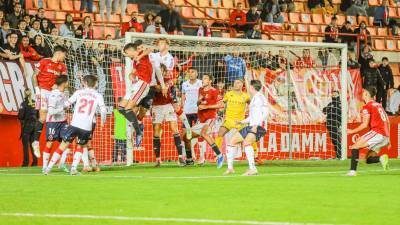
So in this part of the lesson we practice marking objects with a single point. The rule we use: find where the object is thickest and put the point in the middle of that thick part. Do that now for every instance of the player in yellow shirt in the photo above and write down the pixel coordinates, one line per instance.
(235, 110)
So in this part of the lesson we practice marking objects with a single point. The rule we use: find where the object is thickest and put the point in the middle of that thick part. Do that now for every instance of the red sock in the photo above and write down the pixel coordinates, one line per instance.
(46, 149)
(179, 112)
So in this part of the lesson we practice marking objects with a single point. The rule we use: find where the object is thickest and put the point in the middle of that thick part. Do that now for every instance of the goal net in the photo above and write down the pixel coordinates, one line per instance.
(311, 93)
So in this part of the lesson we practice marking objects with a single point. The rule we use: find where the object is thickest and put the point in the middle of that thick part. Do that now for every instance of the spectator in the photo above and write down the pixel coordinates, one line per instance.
(365, 56)
(364, 35)
(204, 29)
(306, 61)
(87, 5)
(2, 17)
(41, 16)
(349, 40)
(28, 115)
(237, 19)
(133, 23)
(333, 115)
(372, 77)
(34, 30)
(387, 75)
(21, 30)
(252, 16)
(321, 6)
(109, 37)
(67, 29)
(45, 28)
(354, 7)
(254, 33)
(27, 51)
(123, 4)
(28, 20)
(11, 51)
(5, 30)
(235, 68)
(351, 63)
(271, 12)
(326, 59)
(171, 20)
(105, 4)
(332, 31)
(395, 29)
(15, 16)
(381, 16)
(149, 17)
(392, 107)
(287, 6)
(9, 6)
(86, 28)
(120, 137)
(40, 47)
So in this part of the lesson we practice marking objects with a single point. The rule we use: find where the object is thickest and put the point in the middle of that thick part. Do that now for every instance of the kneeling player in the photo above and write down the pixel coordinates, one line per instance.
(374, 116)
(208, 104)
(56, 120)
(86, 102)
(258, 112)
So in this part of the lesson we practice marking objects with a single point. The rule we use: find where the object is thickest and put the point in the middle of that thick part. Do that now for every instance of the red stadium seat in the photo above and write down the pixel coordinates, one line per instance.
(352, 19)
(302, 27)
(204, 3)
(398, 44)
(294, 17)
(382, 31)
(67, 5)
(277, 37)
(305, 18)
(391, 45)
(287, 37)
(132, 8)
(372, 31)
(187, 12)
(211, 12)
(61, 16)
(300, 38)
(317, 19)
(216, 3)
(395, 68)
(223, 14)
(299, 6)
(228, 4)
(393, 12)
(314, 28)
(362, 18)
(341, 19)
(379, 44)
(373, 2)
(197, 13)
(53, 4)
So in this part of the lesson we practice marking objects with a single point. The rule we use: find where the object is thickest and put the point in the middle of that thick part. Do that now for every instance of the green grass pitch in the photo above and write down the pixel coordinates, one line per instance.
(285, 192)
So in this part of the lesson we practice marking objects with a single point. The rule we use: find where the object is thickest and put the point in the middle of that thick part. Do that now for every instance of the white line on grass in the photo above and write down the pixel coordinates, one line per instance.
(152, 219)
(196, 177)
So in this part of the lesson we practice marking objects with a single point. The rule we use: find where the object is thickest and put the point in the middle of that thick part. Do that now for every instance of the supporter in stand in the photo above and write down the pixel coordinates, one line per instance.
(67, 29)
(86, 28)
(28, 51)
(133, 23)
(171, 19)
(149, 17)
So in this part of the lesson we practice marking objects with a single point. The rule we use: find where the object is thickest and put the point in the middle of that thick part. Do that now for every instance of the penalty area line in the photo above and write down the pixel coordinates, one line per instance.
(152, 219)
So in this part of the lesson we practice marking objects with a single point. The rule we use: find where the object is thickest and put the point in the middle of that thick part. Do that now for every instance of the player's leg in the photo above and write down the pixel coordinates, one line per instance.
(85, 160)
(57, 154)
(196, 129)
(376, 144)
(221, 133)
(249, 150)
(46, 154)
(362, 142)
(40, 122)
(157, 143)
(231, 149)
(92, 158)
(61, 164)
(205, 133)
(83, 138)
(178, 141)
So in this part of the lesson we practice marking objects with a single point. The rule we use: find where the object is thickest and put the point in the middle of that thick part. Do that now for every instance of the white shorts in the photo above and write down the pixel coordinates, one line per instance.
(42, 102)
(161, 113)
(375, 140)
(137, 91)
(199, 126)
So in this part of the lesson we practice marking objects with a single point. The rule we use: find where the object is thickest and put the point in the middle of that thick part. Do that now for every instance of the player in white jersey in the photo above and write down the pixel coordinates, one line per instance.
(86, 102)
(56, 120)
(258, 112)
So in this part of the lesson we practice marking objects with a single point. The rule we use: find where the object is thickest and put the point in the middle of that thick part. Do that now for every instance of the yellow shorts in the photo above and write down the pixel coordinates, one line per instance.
(231, 124)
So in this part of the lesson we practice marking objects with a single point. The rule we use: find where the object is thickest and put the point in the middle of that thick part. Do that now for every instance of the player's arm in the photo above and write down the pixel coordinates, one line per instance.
(103, 110)
(71, 100)
(146, 52)
(362, 126)
(52, 109)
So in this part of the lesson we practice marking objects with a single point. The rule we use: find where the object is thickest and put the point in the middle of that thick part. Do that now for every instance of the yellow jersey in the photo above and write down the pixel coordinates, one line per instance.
(235, 105)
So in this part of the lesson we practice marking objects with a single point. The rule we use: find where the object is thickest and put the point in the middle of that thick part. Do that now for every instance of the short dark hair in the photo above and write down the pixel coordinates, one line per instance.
(60, 49)
(256, 84)
(131, 45)
(61, 79)
(12, 33)
(21, 21)
(371, 90)
(209, 76)
(385, 58)
(192, 68)
(90, 80)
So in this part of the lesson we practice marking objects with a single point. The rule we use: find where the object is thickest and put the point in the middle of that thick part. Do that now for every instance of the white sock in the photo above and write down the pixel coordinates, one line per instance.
(46, 157)
(64, 157)
(77, 159)
(250, 157)
(192, 144)
(230, 155)
(85, 158)
(203, 149)
(92, 158)
(56, 156)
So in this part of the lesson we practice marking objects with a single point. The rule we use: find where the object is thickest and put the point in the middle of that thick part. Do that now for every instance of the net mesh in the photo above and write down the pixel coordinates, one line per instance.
(301, 84)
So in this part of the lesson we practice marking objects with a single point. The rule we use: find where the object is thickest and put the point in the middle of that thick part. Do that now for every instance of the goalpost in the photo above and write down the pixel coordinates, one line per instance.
(297, 90)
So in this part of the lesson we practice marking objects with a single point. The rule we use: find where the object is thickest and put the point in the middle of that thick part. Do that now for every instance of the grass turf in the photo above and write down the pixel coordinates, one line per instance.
(294, 192)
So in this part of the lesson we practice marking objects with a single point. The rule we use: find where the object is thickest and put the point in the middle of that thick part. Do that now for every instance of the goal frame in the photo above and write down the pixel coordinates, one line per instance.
(340, 46)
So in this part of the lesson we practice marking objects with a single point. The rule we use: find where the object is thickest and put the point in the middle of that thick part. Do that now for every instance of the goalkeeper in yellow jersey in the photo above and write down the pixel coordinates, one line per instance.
(235, 101)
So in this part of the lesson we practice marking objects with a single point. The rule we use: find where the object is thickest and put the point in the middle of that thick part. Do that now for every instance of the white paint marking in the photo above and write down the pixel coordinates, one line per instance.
(153, 219)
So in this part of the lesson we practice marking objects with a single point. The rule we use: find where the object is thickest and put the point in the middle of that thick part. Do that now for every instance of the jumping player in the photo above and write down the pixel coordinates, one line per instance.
(258, 112)
(86, 102)
(56, 121)
(374, 117)
(44, 78)
(208, 104)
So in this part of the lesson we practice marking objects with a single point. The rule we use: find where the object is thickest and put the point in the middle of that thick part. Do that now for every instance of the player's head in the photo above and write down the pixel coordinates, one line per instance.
(220, 84)
(130, 50)
(59, 53)
(192, 73)
(62, 82)
(207, 80)
(139, 45)
(385, 61)
(90, 81)
(163, 44)
(368, 93)
(238, 85)
(255, 86)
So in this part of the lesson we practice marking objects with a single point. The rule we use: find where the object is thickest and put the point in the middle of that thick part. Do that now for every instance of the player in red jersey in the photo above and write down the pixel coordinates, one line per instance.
(374, 117)
(208, 103)
(44, 79)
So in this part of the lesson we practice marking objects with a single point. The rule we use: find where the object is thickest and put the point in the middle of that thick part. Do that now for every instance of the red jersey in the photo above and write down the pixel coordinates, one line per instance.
(305, 62)
(379, 121)
(209, 97)
(159, 99)
(48, 73)
(144, 69)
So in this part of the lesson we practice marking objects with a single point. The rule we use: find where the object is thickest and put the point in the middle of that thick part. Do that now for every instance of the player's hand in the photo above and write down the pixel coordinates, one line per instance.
(202, 107)
(389, 146)
(349, 131)
(164, 91)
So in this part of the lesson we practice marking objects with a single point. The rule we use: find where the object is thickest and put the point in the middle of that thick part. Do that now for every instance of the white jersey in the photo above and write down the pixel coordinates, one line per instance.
(156, 59)
(258, 110)
(86, 102)
(191, 92)
(56, 106)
